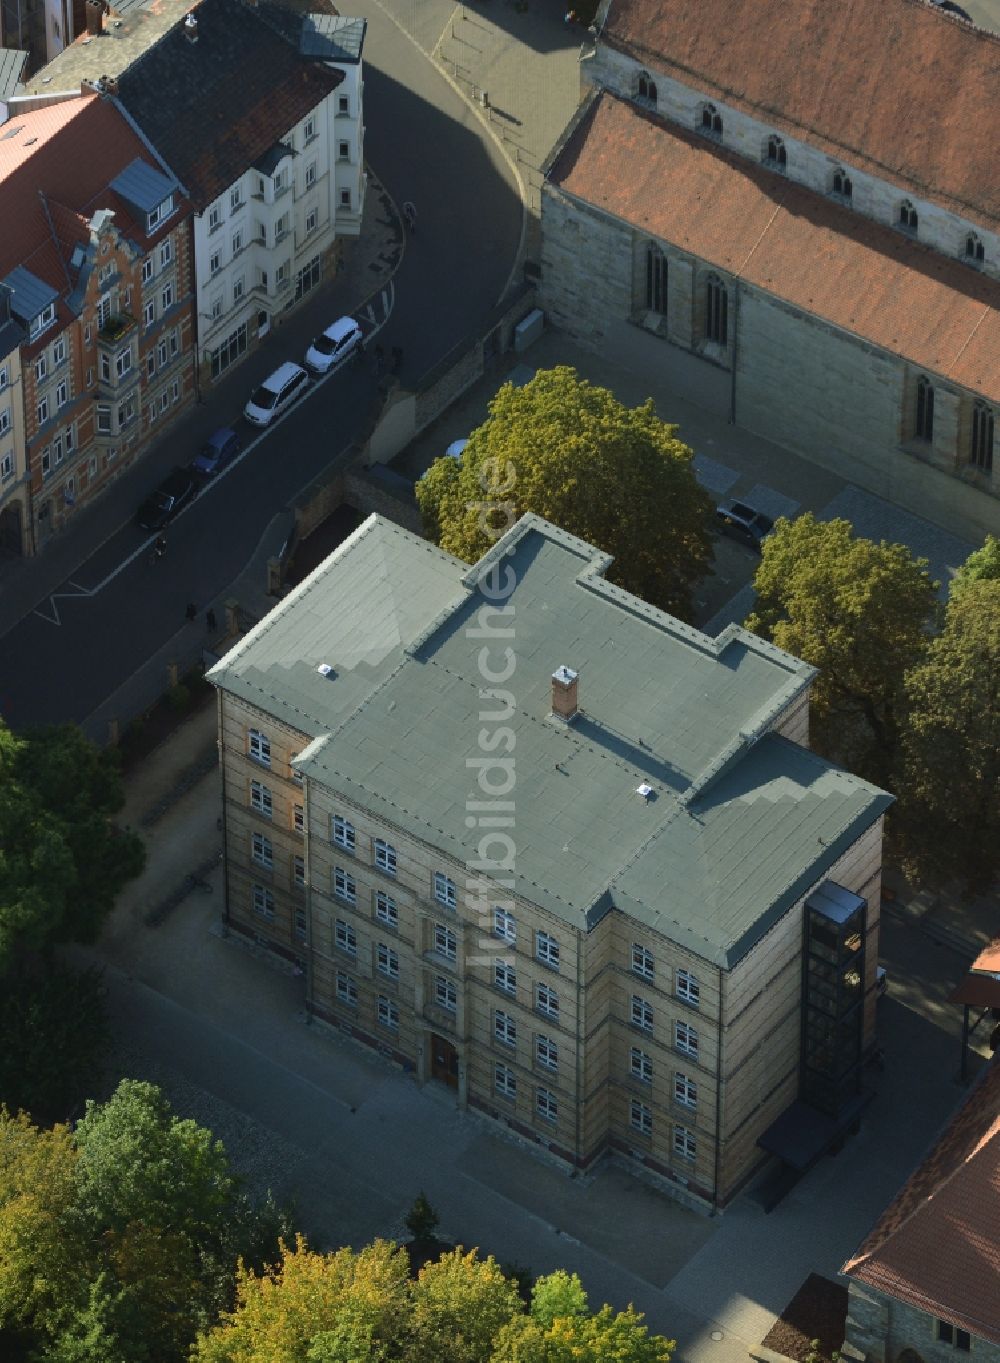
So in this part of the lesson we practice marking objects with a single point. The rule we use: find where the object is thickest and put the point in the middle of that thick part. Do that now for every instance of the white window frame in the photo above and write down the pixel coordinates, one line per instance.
(445, 993)
(546, 1052)
(387, 1013)
(58, 351)
(504, 1081)
(149, 314)
(42, 322)
(161, 212)
(505, 977)
(686, 1039)
(236, 199)
(387, 960)
(262, 901)
(167, 296)
(504, 925)
(504, 1027)
(347, 989)
(643, 962)
(687, 988)
(547, 950)
(345, 937)
(640, 1117)
(62, 394)
(261, 799)
(342, 833)
(685, 1090)
(298, 871)
(546, 1105)
(546, 1001)
(259, 747)
(309, 129)
(344, 885)
(446, 942)
(166, 253)
(299, 818)
(261, 850)
(640, 1065)
(385, 856)
(641, 1013)
(685, 1143)
(445, 890)
(146, 273)
(386, 909)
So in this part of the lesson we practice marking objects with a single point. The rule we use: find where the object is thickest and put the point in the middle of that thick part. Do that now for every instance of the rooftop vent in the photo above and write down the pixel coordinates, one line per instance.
(645, 790)
(190, 28)
(564, 693)
(325, 670)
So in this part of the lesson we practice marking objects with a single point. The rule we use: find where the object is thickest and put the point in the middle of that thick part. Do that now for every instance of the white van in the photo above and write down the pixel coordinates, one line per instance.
(275, 394)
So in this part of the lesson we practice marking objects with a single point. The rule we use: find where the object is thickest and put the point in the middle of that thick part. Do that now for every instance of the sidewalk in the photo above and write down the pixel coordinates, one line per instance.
(368, 263)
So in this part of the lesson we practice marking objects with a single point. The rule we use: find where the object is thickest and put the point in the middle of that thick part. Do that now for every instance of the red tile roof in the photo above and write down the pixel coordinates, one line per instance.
(896, 88)
(937, 1245)
(865, 278)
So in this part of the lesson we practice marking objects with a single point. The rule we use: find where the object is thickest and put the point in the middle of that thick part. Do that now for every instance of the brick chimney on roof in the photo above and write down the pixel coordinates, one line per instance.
(95, 15)
(564, 693)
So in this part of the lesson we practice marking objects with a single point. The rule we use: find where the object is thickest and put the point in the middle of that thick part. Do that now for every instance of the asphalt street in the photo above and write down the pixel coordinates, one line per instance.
(116, 608)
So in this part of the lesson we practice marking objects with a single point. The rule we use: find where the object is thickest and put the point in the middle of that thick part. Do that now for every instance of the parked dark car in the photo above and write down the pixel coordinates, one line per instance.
(218, 450)
(163, 505)
(744, 523)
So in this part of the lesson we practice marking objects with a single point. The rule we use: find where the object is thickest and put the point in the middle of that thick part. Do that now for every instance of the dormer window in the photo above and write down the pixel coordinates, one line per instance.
(43, 321)
(159, 214)
(974, 250)
(907, 217)
(842, 186)
(646, 88)
(711, 120)
(775, 154)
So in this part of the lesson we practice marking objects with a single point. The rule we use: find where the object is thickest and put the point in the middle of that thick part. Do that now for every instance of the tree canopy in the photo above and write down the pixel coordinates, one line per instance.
(858, 611)
(948, 819)
(62, 861)
(982, 564)
(615, 476)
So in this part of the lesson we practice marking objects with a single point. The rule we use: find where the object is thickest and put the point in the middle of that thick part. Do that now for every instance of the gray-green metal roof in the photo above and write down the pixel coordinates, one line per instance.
(740, 822)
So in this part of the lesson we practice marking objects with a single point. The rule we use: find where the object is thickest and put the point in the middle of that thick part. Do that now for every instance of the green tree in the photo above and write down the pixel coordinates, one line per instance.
(62, 860)
(581, 1338)
(421, 1220)
(55, 1030)
(557, 1294)
(859, 612)
(982, 564)
(617, 477)
(948, 820)
(316, 1308)
(459, 1305)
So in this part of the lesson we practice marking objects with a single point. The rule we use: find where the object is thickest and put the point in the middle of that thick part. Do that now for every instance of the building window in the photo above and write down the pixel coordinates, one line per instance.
(104, 420)
(656, 279)
(445, 994)
(387, 961)
(4, 376)
(445, 942)
(343, 151)
(147, 270)
(215, 262)
(981, 449)
(42, 322)
(505, 977)
(259, 747)
(546, 1052)
(345, 198)
(343, 104)
(387, 1012)
(546, 1105)
(343, 833)
(951, 1334)
(716, 310)
(685, 1144)
(386, 910)
(159, 213)
(504, 1081)
(175, 391)
(642, 962)
(263, 901)
(262, 851)
(345, 937)
(686, 1039)
(311, 219)
(149, 314)
(260, 799)
(309, 129)
(57, 450)
(646, 87)
(642, 1013)
(906, 218)
(235, 198)
(239, 287)
(42, 411)
(685, 1090)
(62, 395)
(344, 886)
(41, 369)
(237, 241)
(106, 368)
(59, 352)
(775, 154)
(216, 308)
(640, 1117)
(924, 428)
(974, 251)
(841, 185)
(310, 174)
(444, 890)
(166, 253)
(547, 1000)
(162, 354)
(167, 297)
(504, 925)
(547, 950)
(347, 989)
(688, 988)
(298, 871)
(711, 120)
(278, 181)
(70, 439)
(6, 468)
(4, 420)
(104, 312)
(641, 1065)
(46, 462)
(385, 856)
(504, 1028)
(298, 818)
(214, 217)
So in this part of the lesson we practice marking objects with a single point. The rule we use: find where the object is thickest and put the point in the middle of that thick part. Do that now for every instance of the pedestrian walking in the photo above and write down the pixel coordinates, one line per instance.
(397, 358)
(191, 612)
(210, 620)
(410, 217)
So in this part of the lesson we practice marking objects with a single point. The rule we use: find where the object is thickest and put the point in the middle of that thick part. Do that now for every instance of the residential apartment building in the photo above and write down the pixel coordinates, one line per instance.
(96, 259)
(12, 466)
(925, 1283)
(258, 112)
(824, 269)
(545, 844)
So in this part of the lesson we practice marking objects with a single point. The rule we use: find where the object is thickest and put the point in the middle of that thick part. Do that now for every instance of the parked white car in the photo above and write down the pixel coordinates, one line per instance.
(276, 393)
(333, 346)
